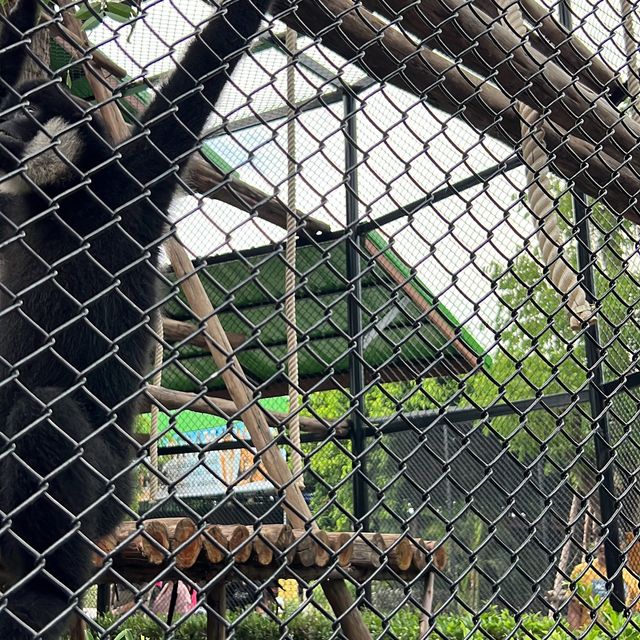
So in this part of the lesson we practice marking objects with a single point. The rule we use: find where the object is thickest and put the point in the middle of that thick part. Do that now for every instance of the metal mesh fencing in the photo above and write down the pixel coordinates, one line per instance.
(318, 319)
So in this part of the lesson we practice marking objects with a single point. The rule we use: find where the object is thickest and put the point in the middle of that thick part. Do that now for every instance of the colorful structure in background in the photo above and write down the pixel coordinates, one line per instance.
(213, 472)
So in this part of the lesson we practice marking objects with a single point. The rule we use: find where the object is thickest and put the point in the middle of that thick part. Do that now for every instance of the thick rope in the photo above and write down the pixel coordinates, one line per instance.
(155, 412)
(549, 235)
(630, 48)
(290, 268)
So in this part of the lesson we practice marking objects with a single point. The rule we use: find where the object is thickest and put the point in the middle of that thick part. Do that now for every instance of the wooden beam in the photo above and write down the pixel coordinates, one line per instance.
(273, 464)
(113, 120)
(206, 179)
(171, 400)
(179, 331)
(492, 49)
(571, 47)
(548, 36)
(385, 53)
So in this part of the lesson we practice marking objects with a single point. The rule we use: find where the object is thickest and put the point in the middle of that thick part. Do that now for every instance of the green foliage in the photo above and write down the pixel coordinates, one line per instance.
(311, 624)
(91, 14)
(539, 353)
(330, 484)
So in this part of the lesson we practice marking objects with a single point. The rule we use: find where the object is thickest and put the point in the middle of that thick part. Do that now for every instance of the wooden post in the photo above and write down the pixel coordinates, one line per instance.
(217, 601)
(78, 628)
(275, 467)
(427, 604)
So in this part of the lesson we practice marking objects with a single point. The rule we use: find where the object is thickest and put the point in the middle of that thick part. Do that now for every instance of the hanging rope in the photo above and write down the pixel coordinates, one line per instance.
(630, 48)
(549, 234)
(291, 42)
(155, 412)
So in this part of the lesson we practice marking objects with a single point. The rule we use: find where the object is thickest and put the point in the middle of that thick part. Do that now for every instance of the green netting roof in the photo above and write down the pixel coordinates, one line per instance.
(406, 335)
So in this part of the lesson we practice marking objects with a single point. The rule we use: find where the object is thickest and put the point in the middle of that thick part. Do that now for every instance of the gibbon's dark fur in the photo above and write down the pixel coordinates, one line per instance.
(80, 227)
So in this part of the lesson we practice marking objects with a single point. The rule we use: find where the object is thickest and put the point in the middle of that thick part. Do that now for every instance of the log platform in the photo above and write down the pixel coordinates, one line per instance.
(175, 547)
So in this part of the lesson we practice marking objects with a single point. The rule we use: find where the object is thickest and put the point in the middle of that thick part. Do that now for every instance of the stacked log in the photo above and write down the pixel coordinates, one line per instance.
(185, 541)
(400, 551)
(215, 544)
(306, 548)
(239, 543)
(207, 549)
(425, 550)
(273, 541)
(381, 48)
(136, 544)
(367, 550)
(341, 544)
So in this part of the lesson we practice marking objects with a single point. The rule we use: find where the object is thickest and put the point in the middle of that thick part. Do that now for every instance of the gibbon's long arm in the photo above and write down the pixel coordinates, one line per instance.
(179, 112)
(12, 29)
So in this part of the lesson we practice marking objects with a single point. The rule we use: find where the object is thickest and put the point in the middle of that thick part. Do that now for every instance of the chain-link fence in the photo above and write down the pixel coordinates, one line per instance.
(318, 318)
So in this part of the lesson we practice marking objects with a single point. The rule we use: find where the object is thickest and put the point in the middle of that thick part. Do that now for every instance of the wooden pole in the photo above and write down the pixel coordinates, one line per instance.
(383, 51)
(213, 183)
(112, 117)
(78, 630)
(427, 604)
(566, 48)
(569, 45)
(491, 48)
(179, 331)
(275, 467)
(177, 400)
(217, 601)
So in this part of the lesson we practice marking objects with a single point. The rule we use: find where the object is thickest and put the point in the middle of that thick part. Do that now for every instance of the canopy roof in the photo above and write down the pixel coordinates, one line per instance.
(407, 335)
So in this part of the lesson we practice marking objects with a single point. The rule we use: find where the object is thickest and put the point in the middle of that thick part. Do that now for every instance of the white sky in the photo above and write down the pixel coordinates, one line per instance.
(409, 150)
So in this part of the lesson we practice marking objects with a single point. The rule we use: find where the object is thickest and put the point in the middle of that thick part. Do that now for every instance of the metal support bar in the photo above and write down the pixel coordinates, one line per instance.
(103, 603)
(604, 453)
(482, 177)
(356, 368)
(597, 400)
(415, 421)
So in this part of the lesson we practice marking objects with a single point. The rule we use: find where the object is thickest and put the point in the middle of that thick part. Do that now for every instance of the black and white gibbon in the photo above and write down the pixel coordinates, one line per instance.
(80, 228)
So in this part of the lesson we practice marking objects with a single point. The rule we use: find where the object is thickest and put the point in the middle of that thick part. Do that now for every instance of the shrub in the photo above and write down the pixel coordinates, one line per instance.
(311, 624)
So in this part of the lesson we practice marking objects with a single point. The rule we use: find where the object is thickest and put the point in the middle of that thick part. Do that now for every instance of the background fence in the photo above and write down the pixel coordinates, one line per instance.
(421, 239)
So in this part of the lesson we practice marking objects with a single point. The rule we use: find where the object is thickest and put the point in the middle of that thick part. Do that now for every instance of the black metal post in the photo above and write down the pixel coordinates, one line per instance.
(103, 603)
(356, 367)
(604, 453)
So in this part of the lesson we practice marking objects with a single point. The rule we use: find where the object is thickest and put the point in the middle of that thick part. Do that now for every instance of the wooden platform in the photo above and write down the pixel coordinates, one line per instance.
(177, 545)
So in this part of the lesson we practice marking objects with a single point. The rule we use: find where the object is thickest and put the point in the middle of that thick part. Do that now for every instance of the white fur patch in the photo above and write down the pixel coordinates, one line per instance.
(12, 186)
(47, 166)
